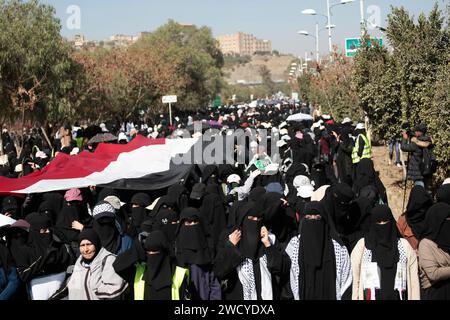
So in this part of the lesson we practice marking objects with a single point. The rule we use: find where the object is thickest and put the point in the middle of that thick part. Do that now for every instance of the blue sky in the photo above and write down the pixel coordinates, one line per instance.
(275, 20)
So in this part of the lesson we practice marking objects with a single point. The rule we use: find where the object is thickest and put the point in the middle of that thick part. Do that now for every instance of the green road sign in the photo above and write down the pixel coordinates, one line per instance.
(217, 102)
(353, 44)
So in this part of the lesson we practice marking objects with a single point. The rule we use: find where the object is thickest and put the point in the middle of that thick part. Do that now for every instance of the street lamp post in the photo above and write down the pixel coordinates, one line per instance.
(363, 19)
(316, 38)
(317, 44)
(313, 12)
(330, 44)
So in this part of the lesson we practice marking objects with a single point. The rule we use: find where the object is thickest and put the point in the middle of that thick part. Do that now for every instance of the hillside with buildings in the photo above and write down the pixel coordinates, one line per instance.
(249, 72)
(244, 55)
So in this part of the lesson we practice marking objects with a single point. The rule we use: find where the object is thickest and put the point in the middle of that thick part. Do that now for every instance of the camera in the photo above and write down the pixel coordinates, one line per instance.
(407, 128)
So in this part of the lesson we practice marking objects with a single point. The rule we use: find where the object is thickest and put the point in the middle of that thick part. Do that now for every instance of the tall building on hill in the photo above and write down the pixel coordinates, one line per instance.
(243, 44)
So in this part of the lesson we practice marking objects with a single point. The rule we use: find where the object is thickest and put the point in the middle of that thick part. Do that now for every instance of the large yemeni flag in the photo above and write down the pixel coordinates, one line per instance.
(143, 164)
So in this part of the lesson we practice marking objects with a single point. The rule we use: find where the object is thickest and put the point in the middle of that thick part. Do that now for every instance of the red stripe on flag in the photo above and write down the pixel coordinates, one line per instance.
(82, 165)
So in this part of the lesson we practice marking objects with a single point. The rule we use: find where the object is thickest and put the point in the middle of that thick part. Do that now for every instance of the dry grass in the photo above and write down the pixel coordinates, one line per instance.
(392, 178)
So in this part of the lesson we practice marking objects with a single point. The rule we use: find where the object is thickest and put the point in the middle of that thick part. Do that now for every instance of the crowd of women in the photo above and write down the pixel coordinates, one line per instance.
(318, 227)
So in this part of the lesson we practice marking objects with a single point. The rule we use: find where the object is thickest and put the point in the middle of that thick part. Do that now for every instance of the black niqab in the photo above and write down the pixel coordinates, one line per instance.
(158, 272)
(317, 262)
(382, 240)
(108, 233)
(191, 244)
(365, 175)
(443, 194)
(212, 212)
(180, 194)
(438, 225)
(256, 193)
(167, 221)
(419, 203)
(250, 245)
(336, 203)
(38, 222)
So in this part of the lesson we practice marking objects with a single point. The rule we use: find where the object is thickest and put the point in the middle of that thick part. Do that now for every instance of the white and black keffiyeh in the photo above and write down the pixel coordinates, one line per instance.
(247, 277)
(343, 267)
(400, 276)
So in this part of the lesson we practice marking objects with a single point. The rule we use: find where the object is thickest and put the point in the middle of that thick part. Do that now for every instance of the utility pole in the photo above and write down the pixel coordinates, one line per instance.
(317, 44)
(330, 44)
(363, 19)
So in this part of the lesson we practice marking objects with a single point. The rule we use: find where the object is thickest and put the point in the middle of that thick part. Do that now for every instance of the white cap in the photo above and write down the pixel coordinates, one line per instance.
(18, 168)
(114, 201)
(122, 136)
(446, 181)
(304, 187)
(286, 138)
(154, 135)
(234, 178)
(3, 160)
(347, 120)
(326, 117)
(281, 143)
(103, 127)
(74, 151)
(282, 125)
(41, 154)
(360, 126)
(284, 131)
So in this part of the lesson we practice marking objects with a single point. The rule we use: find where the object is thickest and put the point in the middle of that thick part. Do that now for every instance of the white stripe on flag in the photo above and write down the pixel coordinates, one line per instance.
(129, 165)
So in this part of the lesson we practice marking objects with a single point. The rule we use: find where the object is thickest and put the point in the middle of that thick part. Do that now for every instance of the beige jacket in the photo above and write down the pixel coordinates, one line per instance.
(434, 263)
(413, 284)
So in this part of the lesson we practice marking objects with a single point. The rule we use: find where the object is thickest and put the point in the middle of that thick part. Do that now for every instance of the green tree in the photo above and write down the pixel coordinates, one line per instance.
(35, 61)
(332, 88)
(197, 60)
(410, 84)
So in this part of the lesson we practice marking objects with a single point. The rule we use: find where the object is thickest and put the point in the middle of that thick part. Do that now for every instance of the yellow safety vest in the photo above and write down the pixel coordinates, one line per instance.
(139, 284)
(367, 152)
(177, 280)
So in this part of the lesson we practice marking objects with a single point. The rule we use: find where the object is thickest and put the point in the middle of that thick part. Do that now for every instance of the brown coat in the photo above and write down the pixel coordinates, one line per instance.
(406, 232)
(434, 263)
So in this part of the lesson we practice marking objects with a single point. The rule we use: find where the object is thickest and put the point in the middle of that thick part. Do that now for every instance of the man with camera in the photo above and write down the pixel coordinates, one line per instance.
(420, 166)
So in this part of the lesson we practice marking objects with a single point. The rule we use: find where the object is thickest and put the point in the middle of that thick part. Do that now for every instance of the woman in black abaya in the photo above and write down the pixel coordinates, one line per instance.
(193, 251)
(434, 254)
(320, 262)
